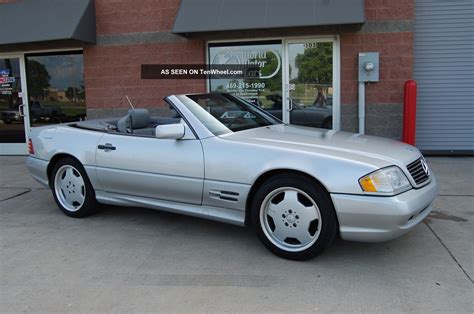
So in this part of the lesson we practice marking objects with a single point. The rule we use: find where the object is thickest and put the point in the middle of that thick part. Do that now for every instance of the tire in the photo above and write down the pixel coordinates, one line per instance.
(327, 124)
(72, 189)
(294, 217)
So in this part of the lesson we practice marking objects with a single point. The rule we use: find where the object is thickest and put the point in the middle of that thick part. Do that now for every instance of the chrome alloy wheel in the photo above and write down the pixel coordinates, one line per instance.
(290, 219)
(70, 188)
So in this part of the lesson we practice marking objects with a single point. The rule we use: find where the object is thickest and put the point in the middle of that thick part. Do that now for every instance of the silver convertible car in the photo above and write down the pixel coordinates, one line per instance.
(220, 157)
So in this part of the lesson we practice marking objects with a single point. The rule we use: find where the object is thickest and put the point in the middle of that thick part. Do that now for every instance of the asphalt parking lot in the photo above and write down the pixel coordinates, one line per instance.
(140, 260)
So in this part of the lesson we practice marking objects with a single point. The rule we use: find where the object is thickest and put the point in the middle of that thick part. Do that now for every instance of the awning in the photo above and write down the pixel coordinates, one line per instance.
(33, 21)
(225, 15)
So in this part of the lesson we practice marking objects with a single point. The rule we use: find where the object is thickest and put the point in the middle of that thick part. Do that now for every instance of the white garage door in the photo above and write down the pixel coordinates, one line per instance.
(444, 70)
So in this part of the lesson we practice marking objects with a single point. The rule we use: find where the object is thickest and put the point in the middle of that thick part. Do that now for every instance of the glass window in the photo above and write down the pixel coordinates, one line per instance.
(260, 91)
(311, 83)
(224, 113)
(55, 87)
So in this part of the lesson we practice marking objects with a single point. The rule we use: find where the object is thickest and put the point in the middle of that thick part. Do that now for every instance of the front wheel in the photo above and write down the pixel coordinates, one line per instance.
(294, 217)
(72, 189)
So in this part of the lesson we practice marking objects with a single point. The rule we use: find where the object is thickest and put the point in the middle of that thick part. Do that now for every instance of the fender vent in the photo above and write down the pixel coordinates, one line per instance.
(224, 195)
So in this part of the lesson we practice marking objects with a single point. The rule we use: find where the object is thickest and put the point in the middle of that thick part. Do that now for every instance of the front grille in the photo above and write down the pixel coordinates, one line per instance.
(417, 172)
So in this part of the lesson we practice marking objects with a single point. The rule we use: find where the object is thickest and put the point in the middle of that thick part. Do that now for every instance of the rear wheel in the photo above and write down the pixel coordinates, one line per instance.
(294, 217)
(327, 124)
(72, 189)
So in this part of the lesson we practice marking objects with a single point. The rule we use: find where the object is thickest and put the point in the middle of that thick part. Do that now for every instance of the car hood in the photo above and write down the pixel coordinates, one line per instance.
(357, 147)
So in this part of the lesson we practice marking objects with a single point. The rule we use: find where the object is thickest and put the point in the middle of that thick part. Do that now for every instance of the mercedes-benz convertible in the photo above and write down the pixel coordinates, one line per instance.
(219, 157)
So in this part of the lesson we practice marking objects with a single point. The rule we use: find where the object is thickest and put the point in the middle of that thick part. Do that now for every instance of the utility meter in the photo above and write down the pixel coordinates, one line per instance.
(368, 66)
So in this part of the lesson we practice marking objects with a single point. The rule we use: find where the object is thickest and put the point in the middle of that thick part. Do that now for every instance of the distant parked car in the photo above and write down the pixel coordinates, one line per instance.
(40, 112)
(10, 116)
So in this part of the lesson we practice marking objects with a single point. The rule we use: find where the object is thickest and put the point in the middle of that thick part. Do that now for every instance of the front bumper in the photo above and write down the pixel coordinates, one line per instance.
(378, 218)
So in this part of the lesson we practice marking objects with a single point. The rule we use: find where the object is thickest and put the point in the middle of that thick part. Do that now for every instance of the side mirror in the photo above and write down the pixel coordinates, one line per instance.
(170, 131)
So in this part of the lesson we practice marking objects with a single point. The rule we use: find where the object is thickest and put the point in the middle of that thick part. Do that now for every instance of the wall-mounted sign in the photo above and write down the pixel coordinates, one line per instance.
(264, 55)
(268, 60)
(7, 80)
(4, 71)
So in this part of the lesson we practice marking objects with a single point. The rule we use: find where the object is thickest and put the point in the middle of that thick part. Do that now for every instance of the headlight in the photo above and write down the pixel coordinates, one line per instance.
(390, 180)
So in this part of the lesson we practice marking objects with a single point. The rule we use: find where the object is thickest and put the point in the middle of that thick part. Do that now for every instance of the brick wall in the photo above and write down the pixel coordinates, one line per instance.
(392, 36)
(106, 67)
(130, 35)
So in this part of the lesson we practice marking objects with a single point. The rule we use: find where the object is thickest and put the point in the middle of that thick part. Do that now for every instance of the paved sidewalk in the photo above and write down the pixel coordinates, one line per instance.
(138, 260)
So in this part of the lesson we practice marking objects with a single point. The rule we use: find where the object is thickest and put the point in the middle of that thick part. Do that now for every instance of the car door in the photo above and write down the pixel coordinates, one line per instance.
(165, 169)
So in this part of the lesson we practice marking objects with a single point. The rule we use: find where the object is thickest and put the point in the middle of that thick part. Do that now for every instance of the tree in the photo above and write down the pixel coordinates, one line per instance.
(71, 93)
(38, 79)
(315, 65)
(81, 93)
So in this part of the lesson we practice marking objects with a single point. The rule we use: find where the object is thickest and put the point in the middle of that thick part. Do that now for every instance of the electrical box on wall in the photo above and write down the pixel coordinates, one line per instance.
(368, 66)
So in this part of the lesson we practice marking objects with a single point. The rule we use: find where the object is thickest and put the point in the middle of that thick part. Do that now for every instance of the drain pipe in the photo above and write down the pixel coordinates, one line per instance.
(362, 107)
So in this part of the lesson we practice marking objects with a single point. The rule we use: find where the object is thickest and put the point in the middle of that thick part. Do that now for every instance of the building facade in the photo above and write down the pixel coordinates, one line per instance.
(310, 51)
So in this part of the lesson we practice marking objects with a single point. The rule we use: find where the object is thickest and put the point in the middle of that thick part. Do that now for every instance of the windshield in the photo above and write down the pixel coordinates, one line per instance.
(224, 113)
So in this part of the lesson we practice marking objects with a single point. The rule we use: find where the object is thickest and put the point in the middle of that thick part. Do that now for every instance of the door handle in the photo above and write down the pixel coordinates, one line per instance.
(107, 147)
(21, 110)
(290, 103)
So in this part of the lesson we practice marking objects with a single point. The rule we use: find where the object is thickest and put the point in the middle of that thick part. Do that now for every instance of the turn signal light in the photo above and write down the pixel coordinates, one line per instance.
(367, 184)
(31, 149)
(389, 180)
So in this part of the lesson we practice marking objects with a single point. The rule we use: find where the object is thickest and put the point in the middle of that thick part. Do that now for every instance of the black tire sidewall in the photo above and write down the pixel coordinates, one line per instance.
(327, 123)
(90, 203)
(317, 193)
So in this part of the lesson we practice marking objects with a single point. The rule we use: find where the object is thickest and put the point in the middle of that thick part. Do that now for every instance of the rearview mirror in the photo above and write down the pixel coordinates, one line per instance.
(170, 131)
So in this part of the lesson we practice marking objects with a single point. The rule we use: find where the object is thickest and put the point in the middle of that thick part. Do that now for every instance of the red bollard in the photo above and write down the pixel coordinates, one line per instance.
(409, 112)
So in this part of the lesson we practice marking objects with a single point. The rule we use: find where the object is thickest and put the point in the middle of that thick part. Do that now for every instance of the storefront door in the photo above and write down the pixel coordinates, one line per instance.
(38, 89)
(13, 112)
(299, 81)
(310, 73)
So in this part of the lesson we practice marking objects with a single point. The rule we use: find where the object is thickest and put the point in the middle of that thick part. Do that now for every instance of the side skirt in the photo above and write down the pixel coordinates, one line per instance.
(235, 217)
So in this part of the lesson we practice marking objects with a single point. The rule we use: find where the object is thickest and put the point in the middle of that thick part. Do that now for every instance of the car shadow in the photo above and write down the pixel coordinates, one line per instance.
(219, 234)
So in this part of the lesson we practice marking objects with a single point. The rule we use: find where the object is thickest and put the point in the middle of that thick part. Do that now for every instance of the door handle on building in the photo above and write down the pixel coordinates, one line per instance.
(21, 110)
(290, 104)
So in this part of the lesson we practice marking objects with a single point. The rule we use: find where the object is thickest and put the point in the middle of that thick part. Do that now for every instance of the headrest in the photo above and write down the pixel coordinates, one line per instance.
(140, 118)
